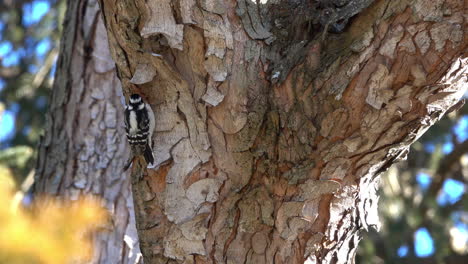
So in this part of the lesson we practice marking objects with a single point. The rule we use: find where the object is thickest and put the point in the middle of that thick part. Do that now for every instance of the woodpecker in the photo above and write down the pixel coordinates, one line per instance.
(139, 125)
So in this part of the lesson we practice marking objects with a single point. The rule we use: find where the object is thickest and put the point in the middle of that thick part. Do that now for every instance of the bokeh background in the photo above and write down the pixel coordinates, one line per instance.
(423, 204)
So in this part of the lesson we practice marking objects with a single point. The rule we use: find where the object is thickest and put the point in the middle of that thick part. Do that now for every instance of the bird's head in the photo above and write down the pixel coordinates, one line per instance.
(136, 102)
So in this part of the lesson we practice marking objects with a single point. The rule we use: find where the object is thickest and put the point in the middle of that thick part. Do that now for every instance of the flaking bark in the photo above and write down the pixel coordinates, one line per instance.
(271, 132)
(83, 149)
(275, 118)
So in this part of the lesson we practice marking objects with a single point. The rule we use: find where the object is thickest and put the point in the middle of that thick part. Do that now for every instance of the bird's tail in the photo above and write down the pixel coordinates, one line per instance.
(148, 155)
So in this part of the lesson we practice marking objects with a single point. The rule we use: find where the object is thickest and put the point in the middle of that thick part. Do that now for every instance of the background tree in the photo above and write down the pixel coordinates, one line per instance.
(283, 104)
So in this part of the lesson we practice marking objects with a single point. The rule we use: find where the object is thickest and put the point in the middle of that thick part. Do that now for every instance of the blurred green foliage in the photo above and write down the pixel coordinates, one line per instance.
(422, 194)
(29, 36)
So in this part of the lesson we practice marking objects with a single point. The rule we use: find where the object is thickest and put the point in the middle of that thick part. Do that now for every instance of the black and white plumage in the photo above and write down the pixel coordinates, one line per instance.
(139, 125)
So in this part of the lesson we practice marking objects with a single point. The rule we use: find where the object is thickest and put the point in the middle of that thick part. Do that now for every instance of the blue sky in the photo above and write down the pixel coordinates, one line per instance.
(424, 180)
(403, 251)
(32, 14)
(423, 245)
(452, 192)
(461, 132)
(461, 129)
(7, 123)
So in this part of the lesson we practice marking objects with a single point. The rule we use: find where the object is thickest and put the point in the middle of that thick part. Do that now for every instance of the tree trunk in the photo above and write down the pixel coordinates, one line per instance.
(271, 131)
(83, 149)
(274, 119)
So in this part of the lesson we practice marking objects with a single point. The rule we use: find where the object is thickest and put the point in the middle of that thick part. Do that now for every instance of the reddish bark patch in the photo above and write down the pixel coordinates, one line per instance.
(158, 178)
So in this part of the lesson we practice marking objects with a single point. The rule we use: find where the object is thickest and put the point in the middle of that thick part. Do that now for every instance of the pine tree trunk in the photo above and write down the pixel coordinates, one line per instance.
(83, 149)
(274, 120)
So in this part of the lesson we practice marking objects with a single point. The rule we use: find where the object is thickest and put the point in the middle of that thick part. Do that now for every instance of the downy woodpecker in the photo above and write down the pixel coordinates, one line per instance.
(139, 125)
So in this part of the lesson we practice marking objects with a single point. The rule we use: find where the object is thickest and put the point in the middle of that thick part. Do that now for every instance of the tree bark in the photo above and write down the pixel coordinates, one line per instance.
(83, 149)
(271, 130)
